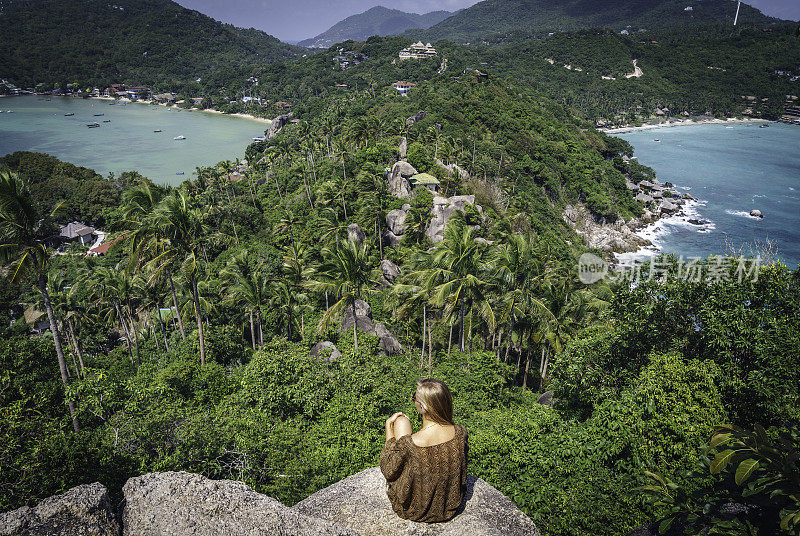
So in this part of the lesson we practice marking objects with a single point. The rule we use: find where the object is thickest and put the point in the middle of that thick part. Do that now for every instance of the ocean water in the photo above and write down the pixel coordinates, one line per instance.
(731, 170)
(128, 141)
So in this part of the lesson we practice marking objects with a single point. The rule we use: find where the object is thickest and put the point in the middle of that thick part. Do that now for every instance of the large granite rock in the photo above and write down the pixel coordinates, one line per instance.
(325, 351)
(453, 169)
(363, 320)
(419, 116)
(82, 511)
(396, 220)
(360, 503)
(398, 179)
(443, 209)
(616, 237)
(402, 148)
(277, 124)
(389, 273)
(185, 504)
(356, 233)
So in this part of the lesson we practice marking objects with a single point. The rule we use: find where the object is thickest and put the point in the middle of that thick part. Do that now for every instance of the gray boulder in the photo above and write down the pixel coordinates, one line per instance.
(82, 511)
(646, 185)
(402, 149)
(398, 179)
(756, 214)
(443, 209)
(356, 233)
(186, 504)
(644, 198)
(325, 351)
(668, 207)
(277, 124)
(389, 273)
(360, 503)
(395, 221)
(391, 239)
(363, 320)
(419, 116)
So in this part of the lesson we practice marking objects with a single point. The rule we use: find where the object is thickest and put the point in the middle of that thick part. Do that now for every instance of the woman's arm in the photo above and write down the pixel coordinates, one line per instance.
(397, 426)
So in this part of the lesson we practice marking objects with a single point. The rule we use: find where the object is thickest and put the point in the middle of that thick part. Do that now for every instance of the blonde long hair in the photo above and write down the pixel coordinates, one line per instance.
(435, 400)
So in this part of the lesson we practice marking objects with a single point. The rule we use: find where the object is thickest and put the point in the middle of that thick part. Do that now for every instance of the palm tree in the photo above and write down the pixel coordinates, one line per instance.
(183, 227)
(249, 286)
(375, 206)
(456, 276)
(113, 288)
(344, 273)
(23, 255)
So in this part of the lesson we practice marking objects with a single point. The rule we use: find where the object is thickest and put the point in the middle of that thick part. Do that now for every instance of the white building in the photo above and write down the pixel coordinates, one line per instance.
(418, 51)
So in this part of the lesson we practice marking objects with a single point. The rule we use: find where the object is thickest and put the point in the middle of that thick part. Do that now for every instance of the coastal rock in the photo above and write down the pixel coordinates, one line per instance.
(609, 238)
(688, 197)
(191, 505)
(360, 504)
(398, 179)
(646, 185)
(277, 124)
(669, 185)
(325, 351)
(402, 149)
(82, 511)
(668, 207)
(643, 198)
(419, 116)
(356, 233)
(389, 273)
(756, 214)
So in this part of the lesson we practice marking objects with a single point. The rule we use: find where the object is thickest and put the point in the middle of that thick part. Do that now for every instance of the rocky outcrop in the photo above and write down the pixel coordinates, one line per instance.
(402, 148)
(186, 504)
(419, 116)
(277, 124)
(82, 511)
(396, 219)
(363, 320)
(389, 273)
(756, 214)
(325, 351)
(443, 209)
(360, 504)
(610, 238)
(356, 233)
(398, 179)
(453, 169)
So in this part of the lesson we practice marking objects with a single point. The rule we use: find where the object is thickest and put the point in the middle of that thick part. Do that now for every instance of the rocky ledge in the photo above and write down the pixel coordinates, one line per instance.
(186, 504)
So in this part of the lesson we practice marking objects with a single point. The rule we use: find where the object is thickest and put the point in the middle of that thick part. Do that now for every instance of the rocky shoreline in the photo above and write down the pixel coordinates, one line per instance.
(620, 236)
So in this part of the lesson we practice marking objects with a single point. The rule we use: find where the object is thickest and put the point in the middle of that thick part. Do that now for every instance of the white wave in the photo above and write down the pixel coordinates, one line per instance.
(741, 213)
(792, 189)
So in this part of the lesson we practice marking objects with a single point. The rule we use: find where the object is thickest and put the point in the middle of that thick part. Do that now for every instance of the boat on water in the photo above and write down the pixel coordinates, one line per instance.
(106, 120)
(179, 173)
(69, 114)
(93, 125)
(763, 126)
(111, 103)
(99, 115)
(179, 138)
(260, 138)
(158, 130)
(658, 140)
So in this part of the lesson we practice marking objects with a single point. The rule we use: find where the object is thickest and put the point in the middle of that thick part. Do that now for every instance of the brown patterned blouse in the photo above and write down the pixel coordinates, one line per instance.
(426, 483)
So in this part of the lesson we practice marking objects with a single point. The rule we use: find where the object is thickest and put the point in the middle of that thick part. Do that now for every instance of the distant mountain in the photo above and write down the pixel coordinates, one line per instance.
(132, 41)
(492, 17)
(376, 21)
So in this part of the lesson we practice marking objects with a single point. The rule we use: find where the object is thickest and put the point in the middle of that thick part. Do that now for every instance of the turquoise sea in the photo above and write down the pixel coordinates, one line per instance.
(731, 170)
(128, 141)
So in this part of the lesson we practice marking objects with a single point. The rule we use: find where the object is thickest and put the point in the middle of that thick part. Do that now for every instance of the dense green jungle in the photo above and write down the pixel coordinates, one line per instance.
(187, 346)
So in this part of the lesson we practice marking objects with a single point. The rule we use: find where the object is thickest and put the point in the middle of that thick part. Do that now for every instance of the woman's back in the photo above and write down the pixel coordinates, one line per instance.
(426, 473)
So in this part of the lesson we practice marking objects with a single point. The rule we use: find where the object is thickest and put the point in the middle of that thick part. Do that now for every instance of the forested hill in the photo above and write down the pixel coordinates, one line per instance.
(503, 17)
(135, 41)
(378, 20)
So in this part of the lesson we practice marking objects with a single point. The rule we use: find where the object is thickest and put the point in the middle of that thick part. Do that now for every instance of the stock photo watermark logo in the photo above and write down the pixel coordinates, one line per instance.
(715, 269)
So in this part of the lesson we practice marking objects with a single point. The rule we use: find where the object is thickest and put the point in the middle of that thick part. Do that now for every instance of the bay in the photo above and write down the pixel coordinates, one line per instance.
(128, 142)
(731, 170)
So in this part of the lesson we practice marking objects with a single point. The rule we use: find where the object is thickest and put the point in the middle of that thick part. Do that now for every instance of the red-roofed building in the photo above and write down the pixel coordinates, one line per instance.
(103, 248)
(402, 87)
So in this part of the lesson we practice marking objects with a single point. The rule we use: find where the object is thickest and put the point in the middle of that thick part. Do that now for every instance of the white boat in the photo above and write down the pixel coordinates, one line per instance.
(158, 130)
(179, 138)
(260, 138)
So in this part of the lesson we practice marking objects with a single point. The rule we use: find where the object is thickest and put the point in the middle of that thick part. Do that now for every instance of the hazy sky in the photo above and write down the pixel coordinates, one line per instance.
(294, 20)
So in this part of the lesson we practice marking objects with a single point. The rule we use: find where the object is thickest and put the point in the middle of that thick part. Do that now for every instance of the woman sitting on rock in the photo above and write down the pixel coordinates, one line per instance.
(426, 471)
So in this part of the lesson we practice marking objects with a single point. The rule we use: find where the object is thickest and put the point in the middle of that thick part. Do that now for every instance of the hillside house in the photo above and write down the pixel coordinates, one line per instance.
(77, 232)
(424, 180)
(418, 51)
(402, 87)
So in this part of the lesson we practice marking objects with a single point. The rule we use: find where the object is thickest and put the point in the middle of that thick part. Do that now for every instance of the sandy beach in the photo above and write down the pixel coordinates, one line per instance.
(683, 123)
(210, 111)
